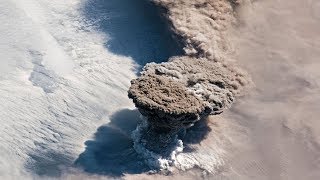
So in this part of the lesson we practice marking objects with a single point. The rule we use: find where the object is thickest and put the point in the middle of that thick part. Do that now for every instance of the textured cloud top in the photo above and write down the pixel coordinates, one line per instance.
(187, 87)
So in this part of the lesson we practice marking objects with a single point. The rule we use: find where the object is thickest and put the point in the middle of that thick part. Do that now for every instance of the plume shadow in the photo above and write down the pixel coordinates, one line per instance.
(111, 152)
(195, 134)
(135, 28)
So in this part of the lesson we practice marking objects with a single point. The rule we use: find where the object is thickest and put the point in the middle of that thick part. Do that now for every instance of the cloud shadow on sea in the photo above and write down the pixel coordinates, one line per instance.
(111, 151)
(195, 134)
(134, 27)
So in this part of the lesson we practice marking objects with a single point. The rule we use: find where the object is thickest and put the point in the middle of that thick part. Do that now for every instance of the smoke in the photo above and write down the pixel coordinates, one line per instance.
(272, 133)
(201, 25)
(176, 94)
(277, 133)
(163, 161)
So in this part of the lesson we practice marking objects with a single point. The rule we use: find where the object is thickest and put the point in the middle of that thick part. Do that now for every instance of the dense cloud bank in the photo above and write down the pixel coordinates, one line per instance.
(176, 94)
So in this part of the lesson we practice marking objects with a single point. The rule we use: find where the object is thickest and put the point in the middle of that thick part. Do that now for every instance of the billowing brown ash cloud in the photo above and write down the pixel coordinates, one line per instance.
(205, 81)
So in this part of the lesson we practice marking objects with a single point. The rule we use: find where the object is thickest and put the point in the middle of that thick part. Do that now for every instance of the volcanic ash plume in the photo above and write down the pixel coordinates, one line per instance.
(176, 94)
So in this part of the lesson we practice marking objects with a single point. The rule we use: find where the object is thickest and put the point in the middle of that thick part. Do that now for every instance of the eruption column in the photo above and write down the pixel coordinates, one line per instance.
(176, 94)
